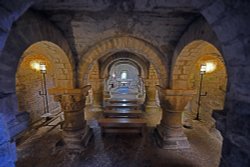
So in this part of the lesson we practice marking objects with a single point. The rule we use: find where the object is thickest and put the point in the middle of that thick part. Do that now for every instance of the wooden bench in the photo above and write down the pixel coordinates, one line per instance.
(122, 125)
(123, 113)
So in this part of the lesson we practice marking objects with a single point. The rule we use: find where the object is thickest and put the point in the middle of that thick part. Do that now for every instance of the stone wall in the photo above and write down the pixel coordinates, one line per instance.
(28, 84)
(28, 30)
(230, 28)
(229, 21)
(214, 85)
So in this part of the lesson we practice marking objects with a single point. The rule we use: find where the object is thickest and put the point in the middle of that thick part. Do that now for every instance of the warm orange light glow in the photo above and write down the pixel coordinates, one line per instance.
(210, 66)
(35, 65)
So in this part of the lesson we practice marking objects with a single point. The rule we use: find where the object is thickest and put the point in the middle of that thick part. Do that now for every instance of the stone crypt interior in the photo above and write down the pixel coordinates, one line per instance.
(124, 83)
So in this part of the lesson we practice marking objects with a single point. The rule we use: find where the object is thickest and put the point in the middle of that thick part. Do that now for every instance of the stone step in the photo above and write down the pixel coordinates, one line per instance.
(122, 105)
(123, 100)
(123, 113)
(122, 125)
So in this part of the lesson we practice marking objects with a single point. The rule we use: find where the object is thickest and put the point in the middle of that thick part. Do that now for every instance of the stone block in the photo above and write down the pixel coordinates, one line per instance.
(4, 134)
(180, 84)
(167, 141)
(8, 107)
(184, 77)
(178, 71)
(7, 153)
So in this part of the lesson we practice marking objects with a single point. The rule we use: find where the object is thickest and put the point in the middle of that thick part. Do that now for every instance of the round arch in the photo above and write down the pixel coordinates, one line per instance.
(21, 38)
(58, 74)
(139, 66)
(118, 62)
(130, 44)
(61, 66)
(141, 63)
(186, 75)
(184, 62)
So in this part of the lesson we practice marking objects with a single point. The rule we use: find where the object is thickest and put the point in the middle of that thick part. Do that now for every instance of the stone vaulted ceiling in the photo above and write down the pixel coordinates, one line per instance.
(85, 23)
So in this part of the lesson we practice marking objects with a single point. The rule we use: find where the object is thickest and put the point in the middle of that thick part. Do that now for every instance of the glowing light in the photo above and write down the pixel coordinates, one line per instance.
(203, 68)
(124, 75)
(113, 75)
(42, 67)
(210, 67)
(35, 65)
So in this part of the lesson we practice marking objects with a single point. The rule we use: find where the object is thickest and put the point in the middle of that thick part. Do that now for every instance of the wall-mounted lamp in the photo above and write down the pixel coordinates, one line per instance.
(38, 66)
(43, 68)
(203, 70)
(44, 91)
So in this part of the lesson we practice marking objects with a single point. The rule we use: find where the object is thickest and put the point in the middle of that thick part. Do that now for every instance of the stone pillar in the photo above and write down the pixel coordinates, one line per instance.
(150, 101)
(97, 89)
(7, 148)
(169, 132)
(106, 93)
(76, 134)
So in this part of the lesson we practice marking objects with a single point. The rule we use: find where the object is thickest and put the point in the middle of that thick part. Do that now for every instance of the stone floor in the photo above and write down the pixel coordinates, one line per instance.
(41, 150)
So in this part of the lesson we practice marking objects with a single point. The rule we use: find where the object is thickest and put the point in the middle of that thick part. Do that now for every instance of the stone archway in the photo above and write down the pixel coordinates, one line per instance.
(118, 44)
(158, 68)
(185, 74)
(21, 36)
(184, 63)
(142, 66)
(29, 81)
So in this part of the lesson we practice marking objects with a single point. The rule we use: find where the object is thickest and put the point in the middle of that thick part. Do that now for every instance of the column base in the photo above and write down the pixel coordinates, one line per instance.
(77, 141)
(168, 141)
(153, 116)
(96, 108)
(151, 108)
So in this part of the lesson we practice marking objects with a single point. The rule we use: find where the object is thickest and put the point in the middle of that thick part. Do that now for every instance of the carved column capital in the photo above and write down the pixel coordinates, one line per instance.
(75, 132)
(169, 133)
(72, 102)
(70, 99)
(174, 99)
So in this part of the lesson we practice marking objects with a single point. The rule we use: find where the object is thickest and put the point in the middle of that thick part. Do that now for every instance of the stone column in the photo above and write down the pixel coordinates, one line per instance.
(169, 133)
(150, 101)
(106, 93)
(97, 90)
(76, 133)
(7, 148)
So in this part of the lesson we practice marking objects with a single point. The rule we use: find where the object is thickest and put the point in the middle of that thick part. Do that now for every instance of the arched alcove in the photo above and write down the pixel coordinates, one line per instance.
(30, 81)
(118, 44)
(210, 86)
